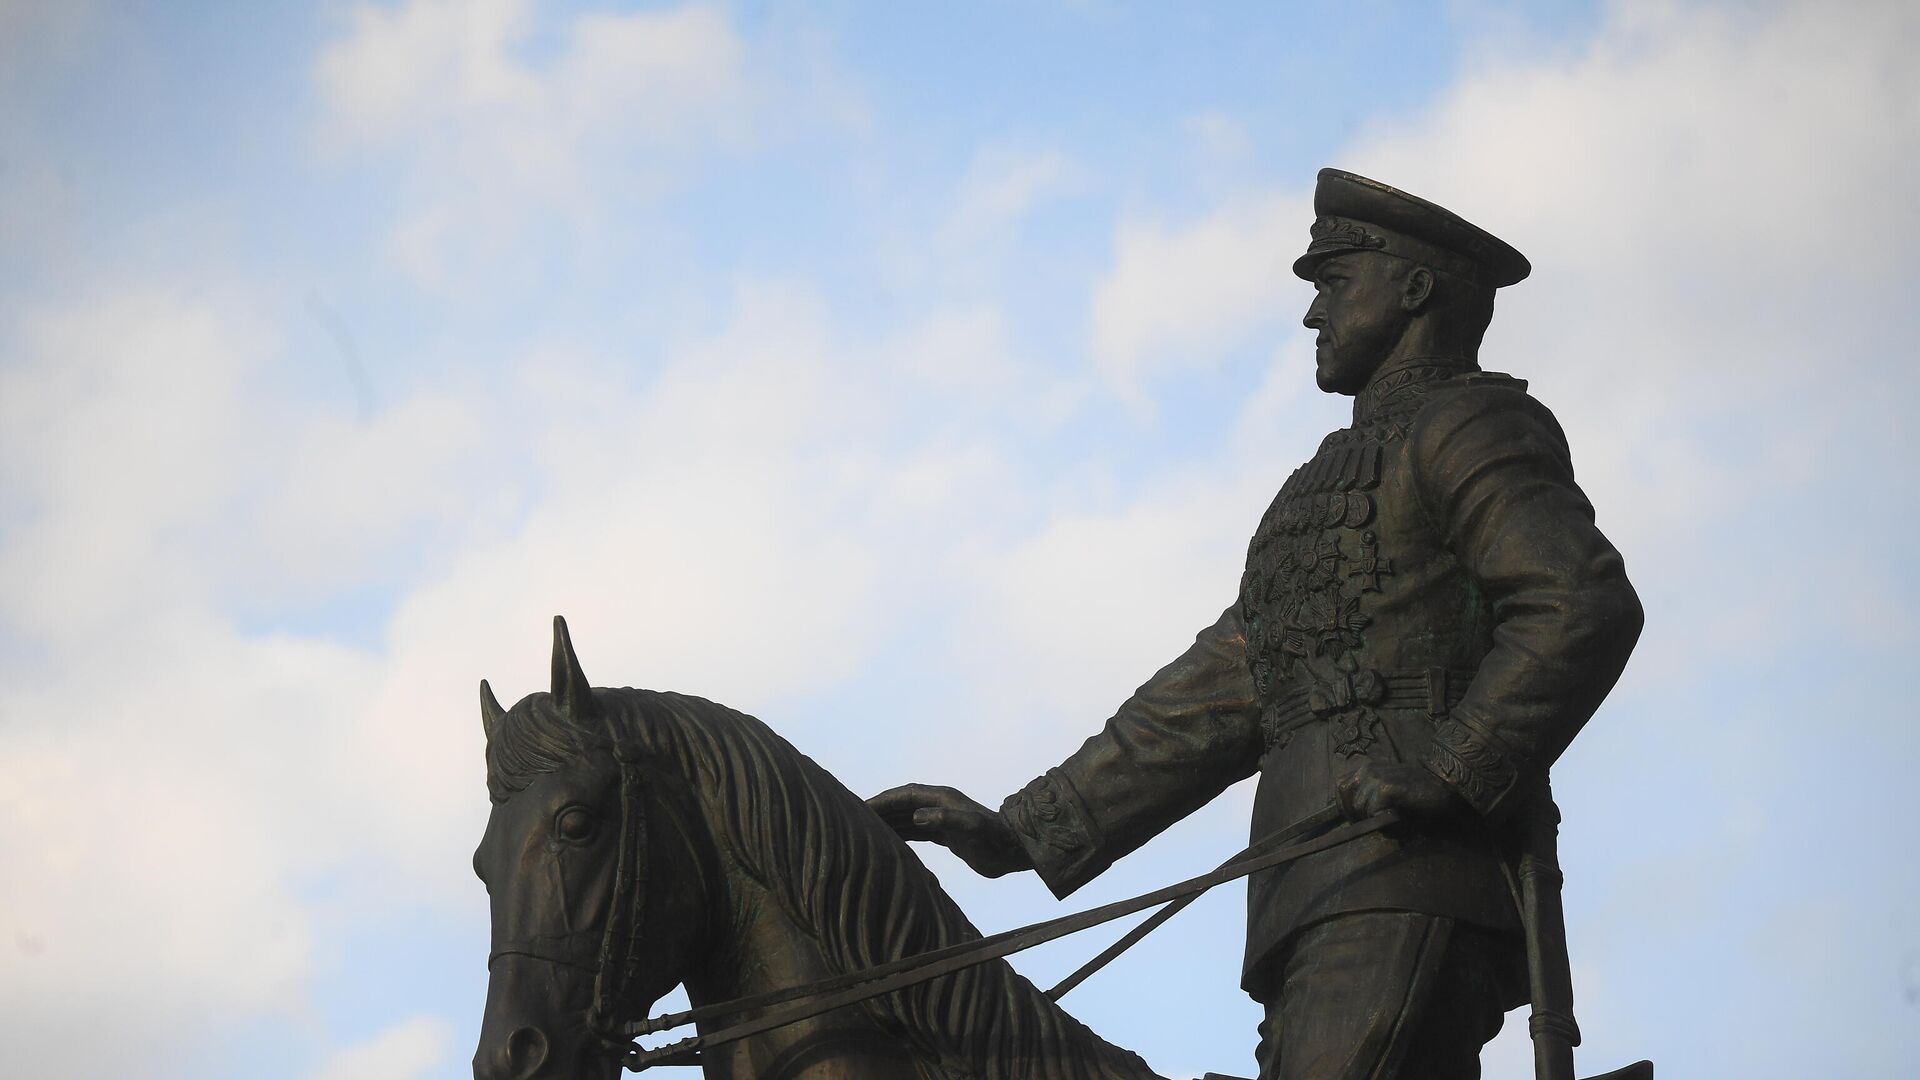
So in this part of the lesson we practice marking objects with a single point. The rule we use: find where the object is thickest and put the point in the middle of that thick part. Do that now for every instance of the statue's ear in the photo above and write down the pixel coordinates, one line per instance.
(490, 711)
(1417, 288)
(571, 693)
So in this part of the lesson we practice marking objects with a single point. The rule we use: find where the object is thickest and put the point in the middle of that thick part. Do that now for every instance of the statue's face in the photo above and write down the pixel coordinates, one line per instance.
(1359, 314)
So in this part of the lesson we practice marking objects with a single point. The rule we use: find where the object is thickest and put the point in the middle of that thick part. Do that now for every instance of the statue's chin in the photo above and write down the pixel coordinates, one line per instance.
(1332, 382)
(1336, 377)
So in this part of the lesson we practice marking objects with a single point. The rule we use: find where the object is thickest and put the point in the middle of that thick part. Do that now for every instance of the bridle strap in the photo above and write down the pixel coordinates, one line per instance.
(618, 959)
(576, 949)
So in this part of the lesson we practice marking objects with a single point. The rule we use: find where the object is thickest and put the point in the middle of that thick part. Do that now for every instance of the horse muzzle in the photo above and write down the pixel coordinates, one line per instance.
(527, 1053)
(520, 1056)
(535, 1027)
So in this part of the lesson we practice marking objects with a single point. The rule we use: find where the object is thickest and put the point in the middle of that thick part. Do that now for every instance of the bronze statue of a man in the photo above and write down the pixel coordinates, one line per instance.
(1427, 618)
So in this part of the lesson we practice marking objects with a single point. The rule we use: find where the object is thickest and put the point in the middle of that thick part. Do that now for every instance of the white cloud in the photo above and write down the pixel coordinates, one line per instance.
(961, 240)
(118, 420)
(965, 349)
(1005, 182)
(496, 142)
(459, 71)
(155, 817)
(1219, 140)
(159, 767)
(413, 67)
(1074, 615)
(970, 357)
(349, 495)
(405, 1051)
(32, 33)
(1177, 293)
(138, 428)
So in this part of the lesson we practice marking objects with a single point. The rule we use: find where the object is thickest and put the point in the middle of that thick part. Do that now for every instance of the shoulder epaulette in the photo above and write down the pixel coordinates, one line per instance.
(1487, 378)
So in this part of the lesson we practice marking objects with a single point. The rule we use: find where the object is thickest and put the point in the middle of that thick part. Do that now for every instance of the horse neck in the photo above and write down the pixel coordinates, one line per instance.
(755, 943)
(758, 947)
(748, 943)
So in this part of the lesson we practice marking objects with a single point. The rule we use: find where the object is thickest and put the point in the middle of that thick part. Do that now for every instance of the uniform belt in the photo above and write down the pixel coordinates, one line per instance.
(1435, 690)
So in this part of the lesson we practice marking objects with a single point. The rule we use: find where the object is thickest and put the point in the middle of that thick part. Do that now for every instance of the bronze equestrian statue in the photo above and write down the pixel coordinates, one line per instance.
(1427, 618)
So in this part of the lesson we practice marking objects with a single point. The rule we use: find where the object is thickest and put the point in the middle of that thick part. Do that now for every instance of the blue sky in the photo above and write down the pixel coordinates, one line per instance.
(910, 378)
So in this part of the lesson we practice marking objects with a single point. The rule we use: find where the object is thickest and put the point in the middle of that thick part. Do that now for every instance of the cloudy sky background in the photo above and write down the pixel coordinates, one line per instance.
(910, 377)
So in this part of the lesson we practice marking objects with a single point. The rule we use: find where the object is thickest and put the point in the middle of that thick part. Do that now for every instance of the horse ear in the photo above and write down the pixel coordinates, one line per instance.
(571, 691)
(490, 711)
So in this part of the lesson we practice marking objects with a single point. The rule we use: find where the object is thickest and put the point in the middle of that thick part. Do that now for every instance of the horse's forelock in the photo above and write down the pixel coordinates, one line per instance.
(534, 738)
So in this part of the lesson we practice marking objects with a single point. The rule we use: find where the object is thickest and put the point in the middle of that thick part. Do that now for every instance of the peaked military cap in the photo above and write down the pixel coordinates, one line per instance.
(1358, 214)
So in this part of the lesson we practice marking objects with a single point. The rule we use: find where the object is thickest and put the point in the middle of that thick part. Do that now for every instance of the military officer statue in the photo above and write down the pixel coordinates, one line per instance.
(1427, 618)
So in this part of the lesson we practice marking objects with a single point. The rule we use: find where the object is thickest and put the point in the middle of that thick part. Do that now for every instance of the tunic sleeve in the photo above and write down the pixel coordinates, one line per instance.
(1185, 736)
(1492, 471)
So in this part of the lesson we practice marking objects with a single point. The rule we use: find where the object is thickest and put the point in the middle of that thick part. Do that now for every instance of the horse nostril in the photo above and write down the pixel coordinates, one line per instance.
(526, 1052)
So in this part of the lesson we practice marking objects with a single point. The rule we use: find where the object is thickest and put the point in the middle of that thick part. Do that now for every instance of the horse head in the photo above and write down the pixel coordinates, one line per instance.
(641, 840)
(585, 860)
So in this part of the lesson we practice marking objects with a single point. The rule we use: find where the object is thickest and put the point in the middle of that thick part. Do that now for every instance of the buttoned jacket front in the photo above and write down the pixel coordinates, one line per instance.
(1429, 588)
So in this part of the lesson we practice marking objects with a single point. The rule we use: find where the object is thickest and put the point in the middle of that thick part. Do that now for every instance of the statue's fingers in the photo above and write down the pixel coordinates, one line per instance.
(1375, 797)
(934, 818)
(1343, 793)
(897, 804)
(933, 823)
(897, 814)
(945, 823)
(1361, 794)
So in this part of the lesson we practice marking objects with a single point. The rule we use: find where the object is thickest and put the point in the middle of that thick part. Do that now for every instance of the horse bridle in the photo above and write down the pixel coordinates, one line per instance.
(616, 963)
(619, 960)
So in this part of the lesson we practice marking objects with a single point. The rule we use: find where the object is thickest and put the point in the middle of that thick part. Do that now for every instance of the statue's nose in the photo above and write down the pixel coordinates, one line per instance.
(520, 1057)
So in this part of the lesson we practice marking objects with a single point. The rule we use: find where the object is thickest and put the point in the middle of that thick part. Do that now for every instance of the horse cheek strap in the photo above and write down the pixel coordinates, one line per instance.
(620, 944)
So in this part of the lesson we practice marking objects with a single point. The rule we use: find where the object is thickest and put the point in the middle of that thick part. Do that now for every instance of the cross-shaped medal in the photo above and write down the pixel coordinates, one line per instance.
(1370, 567)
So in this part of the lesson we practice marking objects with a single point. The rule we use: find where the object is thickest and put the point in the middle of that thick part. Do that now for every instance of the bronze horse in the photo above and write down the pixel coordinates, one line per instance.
(642, 840)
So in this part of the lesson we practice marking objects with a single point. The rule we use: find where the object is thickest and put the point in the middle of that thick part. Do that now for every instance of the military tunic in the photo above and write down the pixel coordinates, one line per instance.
(1429, 588)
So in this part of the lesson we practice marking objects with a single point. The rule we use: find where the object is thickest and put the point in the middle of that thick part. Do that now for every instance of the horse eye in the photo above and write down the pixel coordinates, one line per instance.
(575, 823)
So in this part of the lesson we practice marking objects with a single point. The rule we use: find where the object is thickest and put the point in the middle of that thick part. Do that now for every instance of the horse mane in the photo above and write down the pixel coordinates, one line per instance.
(842, 875)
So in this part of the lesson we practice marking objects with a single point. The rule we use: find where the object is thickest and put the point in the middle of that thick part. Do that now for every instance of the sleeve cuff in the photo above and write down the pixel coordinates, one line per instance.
(1054, 826)
(1472, 762)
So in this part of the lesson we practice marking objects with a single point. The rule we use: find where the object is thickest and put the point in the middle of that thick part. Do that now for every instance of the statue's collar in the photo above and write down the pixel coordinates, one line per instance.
(1392, 385)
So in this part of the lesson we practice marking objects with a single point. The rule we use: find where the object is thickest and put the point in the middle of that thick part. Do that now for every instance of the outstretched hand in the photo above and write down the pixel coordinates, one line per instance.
(1410, 789)
(979, 836)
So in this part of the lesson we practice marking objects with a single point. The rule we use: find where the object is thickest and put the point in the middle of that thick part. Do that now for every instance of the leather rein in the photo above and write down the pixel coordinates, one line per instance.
(1315, 833)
